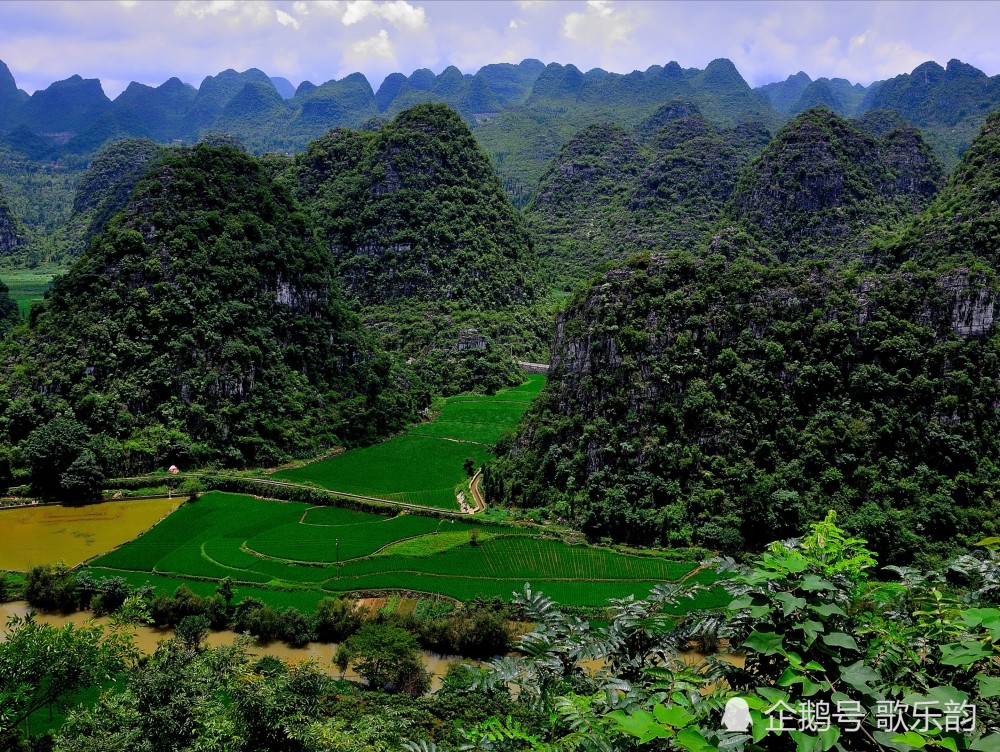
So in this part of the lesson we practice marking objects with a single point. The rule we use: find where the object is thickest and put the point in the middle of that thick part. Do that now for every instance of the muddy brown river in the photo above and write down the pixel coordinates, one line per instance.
(147, 638)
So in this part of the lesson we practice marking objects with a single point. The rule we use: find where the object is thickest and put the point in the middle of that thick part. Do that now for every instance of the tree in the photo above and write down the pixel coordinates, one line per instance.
(41, 664)
(336, 619)
(51, 450)
(82, 479)
(9, 312)
(386, 657)
(192, 630)
(226, 590)
(52, 587)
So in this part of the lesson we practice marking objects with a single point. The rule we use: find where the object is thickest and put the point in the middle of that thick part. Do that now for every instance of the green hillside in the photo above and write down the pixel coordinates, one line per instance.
(962, 224)
(611, 193)
(202, 324)
(427, 245)
(823, 186)
(723, 401)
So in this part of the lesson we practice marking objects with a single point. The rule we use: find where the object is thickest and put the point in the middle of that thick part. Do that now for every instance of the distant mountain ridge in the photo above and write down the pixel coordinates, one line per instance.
(521, 114)
(77, 104)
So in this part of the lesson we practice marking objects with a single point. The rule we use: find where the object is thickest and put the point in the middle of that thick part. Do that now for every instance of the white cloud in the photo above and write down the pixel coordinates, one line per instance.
(397, 12)
(332, 7)
(258, 12)
(600, 24)
(376, 49)
(530, 4)
(513, 24)
(202, 8)
(128, 3)
(286, 19)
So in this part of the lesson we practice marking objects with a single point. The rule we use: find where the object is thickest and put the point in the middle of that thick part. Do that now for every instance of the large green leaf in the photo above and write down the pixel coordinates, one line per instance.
(840, 640)
(827, 609)
(911, 739)
(964, 653)
(789, 603)
(672, 715)
(766, 643)
(989, 743)
(858, 675)
(989, 686)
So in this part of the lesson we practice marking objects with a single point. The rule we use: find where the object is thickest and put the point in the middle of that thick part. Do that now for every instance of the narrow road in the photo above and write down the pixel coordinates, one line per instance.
(477, 496)
(533, 367)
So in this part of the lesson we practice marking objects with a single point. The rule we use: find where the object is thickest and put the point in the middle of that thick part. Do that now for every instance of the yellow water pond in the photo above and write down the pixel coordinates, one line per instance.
(30, 536)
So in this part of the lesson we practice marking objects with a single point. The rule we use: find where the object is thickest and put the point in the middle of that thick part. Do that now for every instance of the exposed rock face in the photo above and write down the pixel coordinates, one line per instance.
(688, 390)
(973, 309)
(12, 233)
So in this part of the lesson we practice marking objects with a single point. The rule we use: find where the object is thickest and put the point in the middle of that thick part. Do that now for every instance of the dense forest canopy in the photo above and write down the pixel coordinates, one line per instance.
(430, 250)
(202, 323)
(720, 399)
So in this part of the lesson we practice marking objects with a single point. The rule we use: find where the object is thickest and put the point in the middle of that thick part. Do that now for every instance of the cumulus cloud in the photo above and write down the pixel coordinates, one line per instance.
(376, 49)
(399, 13)
(286, 19)
(768, 40)
(302, 7)
(256, 11)
(601, 24)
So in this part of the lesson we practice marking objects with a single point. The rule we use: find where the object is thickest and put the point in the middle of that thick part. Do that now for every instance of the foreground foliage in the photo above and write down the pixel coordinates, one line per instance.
(892, 662)
(808, 627)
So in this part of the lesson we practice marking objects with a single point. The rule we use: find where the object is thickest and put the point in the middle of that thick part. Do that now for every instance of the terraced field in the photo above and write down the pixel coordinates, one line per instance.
(425, 465)
(28, 286)
(313, 551)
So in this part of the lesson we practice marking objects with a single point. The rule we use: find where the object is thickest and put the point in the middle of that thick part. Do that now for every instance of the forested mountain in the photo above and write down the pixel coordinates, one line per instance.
(104, 190)
(962, 224)
(414, 210)
(11, 98)
(422, 235)
(202, 323)
(12, 233)
(949, 104)
(522, 140)
(610, 193)
(522, 115)
(722, 400)
(822, 185)
(799, 93)
(825, 185)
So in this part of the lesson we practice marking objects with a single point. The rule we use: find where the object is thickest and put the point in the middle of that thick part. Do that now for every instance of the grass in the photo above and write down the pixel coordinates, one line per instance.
(218, 535)
(409, 468)
(334, 543)
(429, 545)
(28, 286)
(424, 465)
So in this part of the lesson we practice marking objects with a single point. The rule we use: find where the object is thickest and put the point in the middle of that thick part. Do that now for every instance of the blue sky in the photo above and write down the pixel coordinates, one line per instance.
(149, 41)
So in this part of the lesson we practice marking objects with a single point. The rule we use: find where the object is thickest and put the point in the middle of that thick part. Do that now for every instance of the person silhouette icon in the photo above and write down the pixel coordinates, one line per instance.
(737, 715)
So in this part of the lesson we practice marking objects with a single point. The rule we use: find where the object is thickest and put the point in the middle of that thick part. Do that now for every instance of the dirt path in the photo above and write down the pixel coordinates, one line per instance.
(529, 367)
(332, 492)
(477, 496)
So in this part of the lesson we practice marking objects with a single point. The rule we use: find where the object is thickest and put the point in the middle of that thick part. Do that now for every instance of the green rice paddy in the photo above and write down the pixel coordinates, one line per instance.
(28, 286)
(425, 465)
(302, 553)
